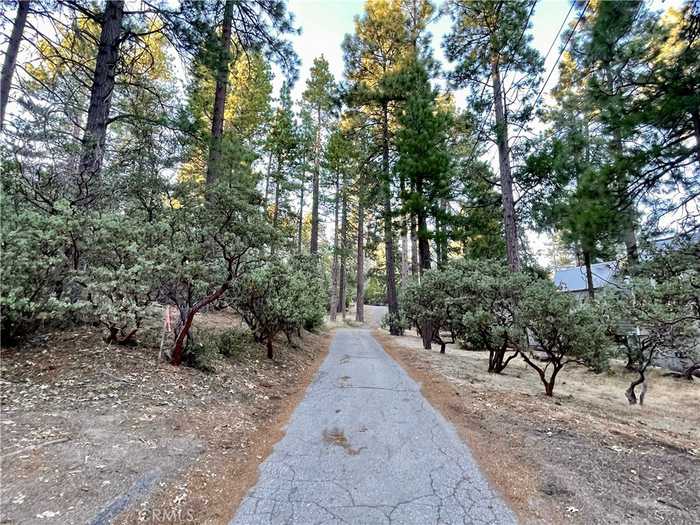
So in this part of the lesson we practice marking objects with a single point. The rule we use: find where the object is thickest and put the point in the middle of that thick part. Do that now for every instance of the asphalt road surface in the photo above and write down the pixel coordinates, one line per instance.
(365, 447)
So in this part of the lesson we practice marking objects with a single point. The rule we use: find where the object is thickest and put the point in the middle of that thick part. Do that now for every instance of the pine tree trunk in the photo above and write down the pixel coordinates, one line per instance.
(217, 121)
(8, 66)
(391, 296)
(438, 244)
(414, 247)
(589, 274)
(267, 183)
(423, 240)
(334, 267)
(315, 186)
(360, 300)
(343, 255)
(300, 225)
(511, 228)
(95, 135)
(405, 257)
(443, 238)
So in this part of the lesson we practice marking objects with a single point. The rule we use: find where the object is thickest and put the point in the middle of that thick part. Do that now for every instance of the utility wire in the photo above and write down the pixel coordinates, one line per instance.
(483, 121)
(554, 66)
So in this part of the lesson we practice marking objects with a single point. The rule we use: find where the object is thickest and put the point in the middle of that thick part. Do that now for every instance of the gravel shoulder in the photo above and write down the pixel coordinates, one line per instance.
(583, 457)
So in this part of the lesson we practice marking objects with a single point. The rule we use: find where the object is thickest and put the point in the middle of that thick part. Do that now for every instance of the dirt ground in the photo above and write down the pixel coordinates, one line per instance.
(584, 456)
(92, 433)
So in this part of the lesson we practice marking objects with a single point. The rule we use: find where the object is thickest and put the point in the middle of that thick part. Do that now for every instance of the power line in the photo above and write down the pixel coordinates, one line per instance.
(488, 113)
(556, 63)
(554, 41)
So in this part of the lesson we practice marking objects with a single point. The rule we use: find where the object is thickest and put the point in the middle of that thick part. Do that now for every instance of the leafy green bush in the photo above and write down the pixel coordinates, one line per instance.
(436, 303)
(475, 301)
(564, 329)
(121, 274)
(492, 294)
(212, 242)
(375, 291)
(230, 343)
(211, 345)
(281, 297)
(308, 287)
(37, 270)
(202, 355)
(397, 320)
(655, 319)
(491, 308)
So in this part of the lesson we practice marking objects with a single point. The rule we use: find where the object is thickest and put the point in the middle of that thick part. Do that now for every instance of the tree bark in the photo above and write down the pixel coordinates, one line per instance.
(589, 274)
(222, 73)
(8, 66)
(300, 226)
(444, 236)
(438, 244)
(511, 228)
(391, 295)
(405, 257)
(95, 135)
(426, 334)
(315, 186)
(497, 358)
(179, 347)
(414, 247)
(342, 286)
(360, 300)
(270, 350)
(334, 267)
(630, 393)
(423, 240)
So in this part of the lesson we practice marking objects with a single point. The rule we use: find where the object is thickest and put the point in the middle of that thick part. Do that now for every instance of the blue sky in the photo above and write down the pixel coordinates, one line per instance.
(324, 24)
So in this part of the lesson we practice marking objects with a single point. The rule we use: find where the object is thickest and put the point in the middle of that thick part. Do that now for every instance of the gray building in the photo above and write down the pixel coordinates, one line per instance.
(573, 280)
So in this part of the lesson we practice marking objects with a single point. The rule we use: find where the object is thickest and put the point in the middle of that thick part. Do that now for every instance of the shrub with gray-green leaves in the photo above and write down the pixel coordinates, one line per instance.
(563, 330)
(654, 319)
(436, 303)
(121, 275)
(281, 298)
(492, 295)
(37, 270)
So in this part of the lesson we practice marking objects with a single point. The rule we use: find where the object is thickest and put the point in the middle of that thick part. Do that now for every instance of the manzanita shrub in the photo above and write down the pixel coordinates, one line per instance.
(562, 330)
(281, 297)
(654, 320)
(37, 268)
(509, 314)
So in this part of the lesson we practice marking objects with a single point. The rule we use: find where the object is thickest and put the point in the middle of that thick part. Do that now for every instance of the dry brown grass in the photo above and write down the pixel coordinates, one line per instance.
(83, 423)
(584, 456)
(672, 406)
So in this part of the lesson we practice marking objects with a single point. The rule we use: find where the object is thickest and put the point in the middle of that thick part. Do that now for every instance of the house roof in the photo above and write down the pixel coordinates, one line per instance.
(574, 279)
(674, 242)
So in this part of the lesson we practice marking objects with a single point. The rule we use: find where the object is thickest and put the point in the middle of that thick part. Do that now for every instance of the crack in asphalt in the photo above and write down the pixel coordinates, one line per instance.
(413, 467)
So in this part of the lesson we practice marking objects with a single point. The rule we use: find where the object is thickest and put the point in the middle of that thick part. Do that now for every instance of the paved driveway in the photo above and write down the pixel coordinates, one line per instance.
(365, 447)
